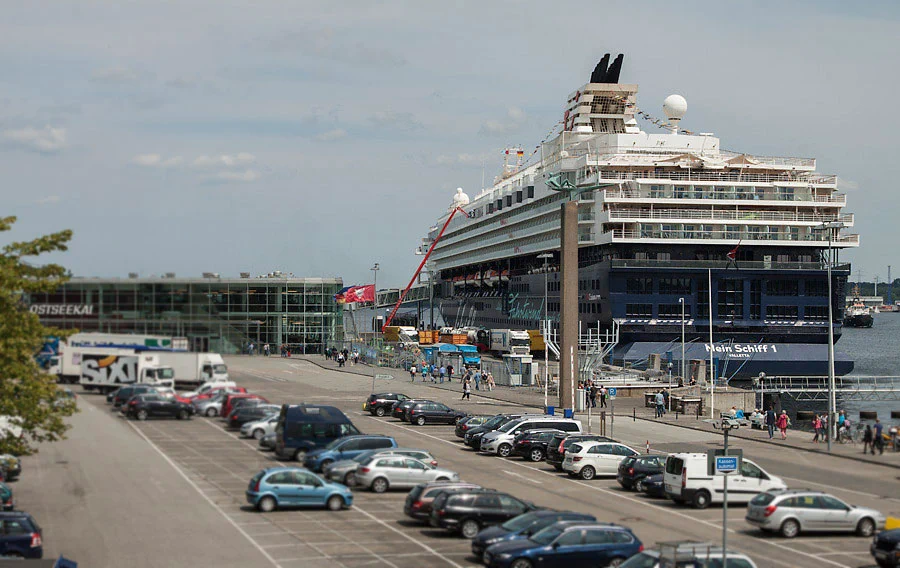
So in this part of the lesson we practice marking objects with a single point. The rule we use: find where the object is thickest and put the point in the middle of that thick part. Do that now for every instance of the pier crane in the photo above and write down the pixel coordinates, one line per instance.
(456, 210)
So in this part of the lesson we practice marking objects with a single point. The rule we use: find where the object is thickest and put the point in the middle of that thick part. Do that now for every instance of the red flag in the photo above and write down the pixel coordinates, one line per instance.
(360, 294)
(732, 254)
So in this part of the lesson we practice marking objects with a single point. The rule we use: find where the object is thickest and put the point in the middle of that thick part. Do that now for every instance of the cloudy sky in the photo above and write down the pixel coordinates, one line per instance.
(320, 137)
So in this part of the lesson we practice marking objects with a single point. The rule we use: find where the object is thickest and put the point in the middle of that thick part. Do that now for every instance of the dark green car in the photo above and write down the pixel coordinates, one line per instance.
(6, 498)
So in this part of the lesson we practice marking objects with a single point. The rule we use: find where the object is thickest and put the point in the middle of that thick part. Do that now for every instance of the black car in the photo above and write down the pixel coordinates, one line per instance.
(473, 435)
(144, 406)
(532, 444)
(653, 485)
(419, 499)
(469, 422)
(467, 512)
(382, 403)
(245, 403)
(111, 395)
(556, 447)
(20, 535)
(400, 407)
(886, 548)
(524, 526)
(423, 413)
(125, 393)
(634, 468)
(250, 413)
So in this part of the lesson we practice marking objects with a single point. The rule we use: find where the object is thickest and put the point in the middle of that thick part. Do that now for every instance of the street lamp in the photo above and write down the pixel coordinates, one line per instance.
(682, 302)
(830, 227)
(546, 256)
(375, 270)
(760, 383)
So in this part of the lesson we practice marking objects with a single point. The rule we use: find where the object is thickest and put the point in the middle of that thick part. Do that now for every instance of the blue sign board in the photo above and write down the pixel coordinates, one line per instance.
(726, 464)
(612, 391)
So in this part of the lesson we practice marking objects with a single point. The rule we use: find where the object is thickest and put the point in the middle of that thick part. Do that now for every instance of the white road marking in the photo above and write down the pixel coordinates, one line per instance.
(407, 537)
(514, 474)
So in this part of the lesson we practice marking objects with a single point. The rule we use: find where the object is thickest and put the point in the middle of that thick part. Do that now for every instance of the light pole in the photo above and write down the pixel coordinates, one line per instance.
(830, 227)
(375, 270)
(682, 302)
(546, 256)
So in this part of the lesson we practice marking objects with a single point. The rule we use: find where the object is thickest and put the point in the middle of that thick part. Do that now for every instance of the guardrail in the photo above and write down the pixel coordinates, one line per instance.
(728, 235)
(739, 215)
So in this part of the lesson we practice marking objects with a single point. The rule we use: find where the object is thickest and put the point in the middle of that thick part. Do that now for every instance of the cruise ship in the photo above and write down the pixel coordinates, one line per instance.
(661, 215)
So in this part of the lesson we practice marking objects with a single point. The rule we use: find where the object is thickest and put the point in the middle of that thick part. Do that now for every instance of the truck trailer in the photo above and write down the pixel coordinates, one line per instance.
(104, 372)
(510, 341)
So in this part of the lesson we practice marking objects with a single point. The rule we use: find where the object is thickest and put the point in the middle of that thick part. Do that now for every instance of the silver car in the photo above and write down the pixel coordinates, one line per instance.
(344, 471)
(381, 473)
(791, 512)
(210, 406)
(259, 428)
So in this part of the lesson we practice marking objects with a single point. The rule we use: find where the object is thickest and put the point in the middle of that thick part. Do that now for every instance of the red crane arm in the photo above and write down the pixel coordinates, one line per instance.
(387, 322)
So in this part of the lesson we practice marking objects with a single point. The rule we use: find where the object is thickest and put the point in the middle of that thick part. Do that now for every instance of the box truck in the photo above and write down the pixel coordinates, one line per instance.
(104, 372)
(194, 369)
(510, 341)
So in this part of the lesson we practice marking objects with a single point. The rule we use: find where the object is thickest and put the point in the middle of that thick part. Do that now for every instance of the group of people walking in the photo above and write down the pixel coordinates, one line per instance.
(477, 377)
(341, 357)
(437, 373)
(594, 391)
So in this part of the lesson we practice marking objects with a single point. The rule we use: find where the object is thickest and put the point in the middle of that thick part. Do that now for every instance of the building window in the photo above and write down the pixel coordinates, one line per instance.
(674, 285)
(639, 286)
(509, 200)
(782, 312)
(639, 310)
(782, 288)
(816, 288)
(731, 298)
(519, 196)
(755, 299)
(703, 298)
(673, 311)
(815, 313)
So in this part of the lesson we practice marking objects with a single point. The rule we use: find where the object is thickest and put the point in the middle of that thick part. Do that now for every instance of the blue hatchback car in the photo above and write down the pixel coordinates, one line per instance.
(566, 545)
(20, 535)
(280, 487)
(346, 448)
(522, 527)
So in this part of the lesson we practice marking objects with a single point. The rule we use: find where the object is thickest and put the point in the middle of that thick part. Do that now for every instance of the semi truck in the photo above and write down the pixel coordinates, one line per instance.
(67, 365)
(510, 341)
(194, 369)
(105, 372)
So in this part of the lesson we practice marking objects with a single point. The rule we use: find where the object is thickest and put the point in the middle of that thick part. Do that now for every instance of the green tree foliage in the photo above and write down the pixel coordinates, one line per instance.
(30, 412)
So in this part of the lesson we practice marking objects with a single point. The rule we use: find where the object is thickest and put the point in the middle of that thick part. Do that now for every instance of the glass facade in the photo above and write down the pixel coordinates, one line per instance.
(222, 315)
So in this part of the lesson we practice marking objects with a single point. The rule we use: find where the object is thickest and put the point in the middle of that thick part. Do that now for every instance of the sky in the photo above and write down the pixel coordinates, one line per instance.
(321, 137)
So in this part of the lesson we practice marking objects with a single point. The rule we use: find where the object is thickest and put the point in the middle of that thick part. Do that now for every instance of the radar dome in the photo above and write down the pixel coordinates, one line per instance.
(674, 106)
(460, 199)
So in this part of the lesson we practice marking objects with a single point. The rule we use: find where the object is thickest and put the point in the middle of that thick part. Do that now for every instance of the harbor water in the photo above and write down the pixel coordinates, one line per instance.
(876, 351)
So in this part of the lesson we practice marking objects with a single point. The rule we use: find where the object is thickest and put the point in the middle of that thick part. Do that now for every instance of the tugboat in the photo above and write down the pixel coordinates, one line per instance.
(858, 314)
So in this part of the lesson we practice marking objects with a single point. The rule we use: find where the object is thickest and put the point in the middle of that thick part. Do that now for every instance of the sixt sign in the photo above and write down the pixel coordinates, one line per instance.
(81, 310)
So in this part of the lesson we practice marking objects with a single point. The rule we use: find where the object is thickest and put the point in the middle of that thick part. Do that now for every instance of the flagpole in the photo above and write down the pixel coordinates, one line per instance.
(712, 372)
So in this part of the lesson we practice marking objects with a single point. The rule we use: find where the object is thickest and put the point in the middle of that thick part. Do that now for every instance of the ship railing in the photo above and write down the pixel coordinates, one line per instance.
(687, 193)
(706, 175)
(647, 233)
(847, 387)
(739, 215)
(698, 264)
(772, 160)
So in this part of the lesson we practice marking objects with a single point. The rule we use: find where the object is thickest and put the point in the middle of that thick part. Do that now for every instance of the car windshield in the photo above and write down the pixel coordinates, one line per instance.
(521, 522)
(762, 500)
(547, 535)
(363, 457)
(335, 443)
(493, 422)
(509, 425)
(220, 369)
(642, 560)
(166, 373)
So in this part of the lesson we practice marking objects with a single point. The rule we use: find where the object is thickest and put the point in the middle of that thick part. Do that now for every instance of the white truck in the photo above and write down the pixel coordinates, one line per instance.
(68, 364)
(194, 369)
(105, 372)
(510, 341)
(125, 340)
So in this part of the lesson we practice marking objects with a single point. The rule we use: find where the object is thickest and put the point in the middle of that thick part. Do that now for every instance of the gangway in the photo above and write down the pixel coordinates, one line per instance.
(815, 388)
(594, 345)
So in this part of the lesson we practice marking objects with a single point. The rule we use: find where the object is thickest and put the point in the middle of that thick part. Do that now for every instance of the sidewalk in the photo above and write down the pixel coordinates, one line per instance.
(624, 407)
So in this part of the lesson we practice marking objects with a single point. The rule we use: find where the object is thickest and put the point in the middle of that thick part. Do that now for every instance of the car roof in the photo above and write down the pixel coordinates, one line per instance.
(13, 514)
(791, 492)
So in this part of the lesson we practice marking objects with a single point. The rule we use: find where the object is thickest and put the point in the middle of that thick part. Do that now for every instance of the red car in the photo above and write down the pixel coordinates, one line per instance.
(216, 390)
(228, 403)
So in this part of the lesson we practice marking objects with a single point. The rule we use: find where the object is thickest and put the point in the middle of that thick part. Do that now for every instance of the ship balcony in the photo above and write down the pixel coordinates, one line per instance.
(588, 174)
(696, 195)
(741, 216)
(716, 236)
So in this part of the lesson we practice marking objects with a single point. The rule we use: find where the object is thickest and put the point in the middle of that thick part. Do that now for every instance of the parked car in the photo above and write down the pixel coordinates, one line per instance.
(635, 468)
(267, 442)
(209, 387)
(257, 429)
(522, 527)
(169, 392)
(145, 406)
(694, 554)
(20, 535)
(473, 435)
(381, 473)
(423, 413)
(419, 499)
(398, 410)
(279, 487)
(381, 404)
(243, 402)
(124, 394)
(589, 459)
(302, 428)
(653, 485)
(345, 448)
(790, 512)
(217, 391)
(12, 466)
(6, 498)
(467, 512)
(573, 544)
(556, 448)
(344, 471)
(250, 413)
(885, 548)
(687, 481)
(231, 398)
(468, 422)
(211, 406)
(532, 444)
(500, 441)
(111, 395)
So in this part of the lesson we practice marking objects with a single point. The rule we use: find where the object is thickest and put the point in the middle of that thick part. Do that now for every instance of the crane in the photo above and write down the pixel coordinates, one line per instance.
(456, 210)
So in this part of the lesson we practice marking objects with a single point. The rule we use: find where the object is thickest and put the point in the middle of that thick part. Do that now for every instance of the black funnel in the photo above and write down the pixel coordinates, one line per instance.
(599, 74)
(612, 76)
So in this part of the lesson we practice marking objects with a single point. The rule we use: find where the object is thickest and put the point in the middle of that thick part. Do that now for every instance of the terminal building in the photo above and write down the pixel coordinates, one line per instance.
(218, 314)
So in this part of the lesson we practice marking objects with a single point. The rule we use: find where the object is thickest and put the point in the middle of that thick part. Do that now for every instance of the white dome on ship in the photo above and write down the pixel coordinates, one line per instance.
(675, 106)
(460, 199)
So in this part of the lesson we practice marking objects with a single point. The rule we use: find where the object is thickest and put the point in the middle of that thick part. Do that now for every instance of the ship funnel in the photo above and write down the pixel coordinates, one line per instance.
(606, 73)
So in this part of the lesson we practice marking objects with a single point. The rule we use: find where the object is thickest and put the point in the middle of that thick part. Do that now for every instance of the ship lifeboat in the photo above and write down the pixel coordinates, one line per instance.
(459, 280)
(491, 277)
(470, 279)
(504, 275)
(477, 281)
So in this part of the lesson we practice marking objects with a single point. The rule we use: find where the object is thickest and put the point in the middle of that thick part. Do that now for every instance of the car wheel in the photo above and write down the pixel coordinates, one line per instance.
(211, 412)
(536, 455)
(299, 455)
(520, 563)
(379, 411)
(267, 504)
(588, 472)
(469, 528)
(615, 562)
(442, 479)
(258, 434)
(350, 479)
(639, 486)
(701, 499)
(865, 527)
(335, 503)
(326, 463)
(141, 415)
(420, 420)
(504, 450)
(183, 414)
(380, 485)
(790, 528)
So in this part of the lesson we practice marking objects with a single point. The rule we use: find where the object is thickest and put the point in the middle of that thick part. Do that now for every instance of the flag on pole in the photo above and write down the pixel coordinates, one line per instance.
(732, 254)
(340, 297)
(364, 293)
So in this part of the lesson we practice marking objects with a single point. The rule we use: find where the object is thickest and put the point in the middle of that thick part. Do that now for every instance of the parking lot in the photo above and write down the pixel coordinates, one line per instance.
(217, 465)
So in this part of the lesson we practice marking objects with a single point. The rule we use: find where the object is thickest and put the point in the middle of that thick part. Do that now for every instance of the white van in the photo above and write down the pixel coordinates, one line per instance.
(208, 387)
(687, 481)
(500, 441)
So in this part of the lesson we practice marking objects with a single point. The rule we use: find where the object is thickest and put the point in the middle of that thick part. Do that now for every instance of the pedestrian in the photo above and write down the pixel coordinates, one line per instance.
(489, 382)
(666, 397)
(782, 423)
(434, 373)
(412, 373)
(443, 372)
(603, 394)
(424, 370)
(817, 425)
(266, 349)
(594, 392)
(477, 379)
(770, 421)
(450, 373)
(878, 437)
(660, 404)
(467, 390)
(868, 438)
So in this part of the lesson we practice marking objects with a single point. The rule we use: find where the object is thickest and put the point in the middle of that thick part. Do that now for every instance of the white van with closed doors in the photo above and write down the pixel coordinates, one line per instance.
(500, 441)
(687, 481)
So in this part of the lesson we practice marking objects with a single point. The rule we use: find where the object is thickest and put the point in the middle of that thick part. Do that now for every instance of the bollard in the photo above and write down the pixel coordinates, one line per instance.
(634, 414)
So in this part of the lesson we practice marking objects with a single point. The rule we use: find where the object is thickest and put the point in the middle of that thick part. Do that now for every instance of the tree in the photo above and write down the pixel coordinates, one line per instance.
(30, 412)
